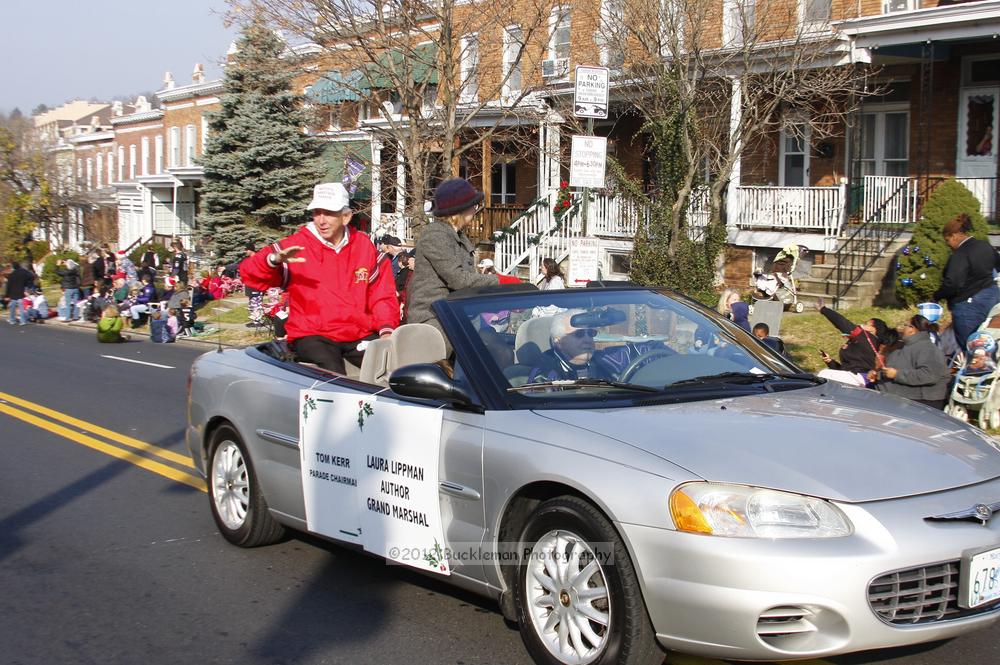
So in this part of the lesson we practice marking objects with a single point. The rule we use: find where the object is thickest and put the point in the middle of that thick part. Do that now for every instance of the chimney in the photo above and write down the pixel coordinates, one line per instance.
(198, 76)
(141, 105)
(168, 81)
(117, 109)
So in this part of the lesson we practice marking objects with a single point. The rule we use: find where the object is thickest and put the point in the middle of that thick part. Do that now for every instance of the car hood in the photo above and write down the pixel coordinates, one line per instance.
(829, 441)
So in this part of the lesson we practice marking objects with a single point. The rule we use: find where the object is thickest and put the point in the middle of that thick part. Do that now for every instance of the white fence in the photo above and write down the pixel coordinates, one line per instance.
(889, 199)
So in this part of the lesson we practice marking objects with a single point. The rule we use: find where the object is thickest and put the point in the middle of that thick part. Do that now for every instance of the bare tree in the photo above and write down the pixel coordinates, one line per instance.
(734, 77)
(423, 70)
(30, 194)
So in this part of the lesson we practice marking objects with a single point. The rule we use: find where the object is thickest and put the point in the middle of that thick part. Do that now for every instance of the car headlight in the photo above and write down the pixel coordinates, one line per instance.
(750, 512)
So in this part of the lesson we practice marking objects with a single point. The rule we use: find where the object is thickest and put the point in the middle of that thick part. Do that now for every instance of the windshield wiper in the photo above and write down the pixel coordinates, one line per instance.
(584, 383)
(747, 378)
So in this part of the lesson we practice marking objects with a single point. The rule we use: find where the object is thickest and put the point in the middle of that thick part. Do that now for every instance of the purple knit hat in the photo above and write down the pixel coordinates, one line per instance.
(453, 196)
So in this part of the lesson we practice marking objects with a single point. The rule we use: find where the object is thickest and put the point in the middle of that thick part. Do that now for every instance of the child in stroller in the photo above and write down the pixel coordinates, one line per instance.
(777, 281)
(976, 392)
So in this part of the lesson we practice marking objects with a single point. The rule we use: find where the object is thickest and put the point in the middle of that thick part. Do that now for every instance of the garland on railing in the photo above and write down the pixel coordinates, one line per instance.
(511, 230)
(564, 206)
(561, 219)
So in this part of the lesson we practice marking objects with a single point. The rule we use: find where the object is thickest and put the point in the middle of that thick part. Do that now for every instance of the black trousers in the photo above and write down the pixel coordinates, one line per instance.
(327, 353)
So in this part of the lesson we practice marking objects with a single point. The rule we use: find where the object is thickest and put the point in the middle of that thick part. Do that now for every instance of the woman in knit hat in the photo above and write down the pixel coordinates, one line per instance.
(445, 255)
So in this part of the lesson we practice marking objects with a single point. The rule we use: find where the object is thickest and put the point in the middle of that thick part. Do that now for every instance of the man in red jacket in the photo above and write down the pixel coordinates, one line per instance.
(339, 296)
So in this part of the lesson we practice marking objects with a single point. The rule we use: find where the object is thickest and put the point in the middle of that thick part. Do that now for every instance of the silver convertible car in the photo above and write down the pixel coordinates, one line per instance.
(623, 471)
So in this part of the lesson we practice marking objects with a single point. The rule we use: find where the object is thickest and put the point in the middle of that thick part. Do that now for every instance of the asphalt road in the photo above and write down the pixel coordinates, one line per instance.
(108, 552)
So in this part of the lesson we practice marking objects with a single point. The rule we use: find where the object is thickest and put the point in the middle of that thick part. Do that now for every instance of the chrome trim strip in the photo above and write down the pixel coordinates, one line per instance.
(460, 491)
(277, 437)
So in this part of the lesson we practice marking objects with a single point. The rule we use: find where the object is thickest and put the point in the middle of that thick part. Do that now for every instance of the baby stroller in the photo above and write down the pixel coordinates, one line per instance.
(777, 280)
(975, 393)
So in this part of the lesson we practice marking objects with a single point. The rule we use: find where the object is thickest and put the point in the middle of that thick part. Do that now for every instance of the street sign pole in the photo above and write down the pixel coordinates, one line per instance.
(585, 222)
(590, 100)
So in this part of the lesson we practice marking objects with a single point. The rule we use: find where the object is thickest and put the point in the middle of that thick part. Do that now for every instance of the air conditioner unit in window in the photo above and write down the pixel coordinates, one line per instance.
(555, 68)
(890, 6)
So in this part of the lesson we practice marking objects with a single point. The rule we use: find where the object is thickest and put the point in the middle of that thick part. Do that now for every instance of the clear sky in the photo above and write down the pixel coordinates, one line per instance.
(52, 51)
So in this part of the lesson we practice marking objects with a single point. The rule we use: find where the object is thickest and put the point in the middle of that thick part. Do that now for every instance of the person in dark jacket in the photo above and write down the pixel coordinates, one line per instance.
(87, 277)
(918, 370)
(69, 279)
(860, 353)
(143, 301)
(179, 262)
(968, 283)
(18, 282)
(110, 264)
(445, 260)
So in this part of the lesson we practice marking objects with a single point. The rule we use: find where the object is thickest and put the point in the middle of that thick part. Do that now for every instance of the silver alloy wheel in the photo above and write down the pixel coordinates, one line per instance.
(568, 598)
(230, 484)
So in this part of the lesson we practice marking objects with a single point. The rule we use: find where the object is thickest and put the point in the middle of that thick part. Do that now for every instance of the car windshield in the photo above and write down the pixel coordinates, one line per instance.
(575, 342)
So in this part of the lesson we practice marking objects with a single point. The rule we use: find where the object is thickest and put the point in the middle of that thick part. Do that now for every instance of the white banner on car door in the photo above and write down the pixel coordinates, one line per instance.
(370, 474)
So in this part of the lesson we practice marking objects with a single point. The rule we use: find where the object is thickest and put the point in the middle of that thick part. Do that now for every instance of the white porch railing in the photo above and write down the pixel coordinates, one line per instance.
(616, 216)
(889, 199)
(514, 247)
(818, 209)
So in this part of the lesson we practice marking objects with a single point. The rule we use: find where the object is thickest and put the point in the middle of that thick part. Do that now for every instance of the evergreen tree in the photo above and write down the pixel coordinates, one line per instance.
(260, 167)
(920, 265)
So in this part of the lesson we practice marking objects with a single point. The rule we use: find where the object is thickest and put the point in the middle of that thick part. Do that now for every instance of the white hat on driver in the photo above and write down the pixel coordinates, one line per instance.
(486, 263)
(330, 196)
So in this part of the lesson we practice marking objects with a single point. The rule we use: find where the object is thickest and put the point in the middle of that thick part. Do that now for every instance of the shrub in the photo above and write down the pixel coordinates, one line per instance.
(163, 252)
(49, 275)
(920, 265)
(38, 249)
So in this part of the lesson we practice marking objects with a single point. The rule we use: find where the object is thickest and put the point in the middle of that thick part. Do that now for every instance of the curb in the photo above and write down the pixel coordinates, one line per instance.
(83, 325)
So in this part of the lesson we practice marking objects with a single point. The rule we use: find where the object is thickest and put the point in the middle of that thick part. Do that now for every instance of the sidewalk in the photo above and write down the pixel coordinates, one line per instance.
(231, 334)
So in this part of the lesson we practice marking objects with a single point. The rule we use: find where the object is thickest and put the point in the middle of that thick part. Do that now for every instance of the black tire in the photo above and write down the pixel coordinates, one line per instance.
(628, 638)
(244, 518)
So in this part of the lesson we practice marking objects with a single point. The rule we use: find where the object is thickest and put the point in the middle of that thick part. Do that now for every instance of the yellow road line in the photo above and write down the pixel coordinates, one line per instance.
(162, 453)
(114, 451)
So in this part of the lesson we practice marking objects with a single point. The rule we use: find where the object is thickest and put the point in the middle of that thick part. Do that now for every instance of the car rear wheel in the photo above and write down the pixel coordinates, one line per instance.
(238, 505)
(577, 594)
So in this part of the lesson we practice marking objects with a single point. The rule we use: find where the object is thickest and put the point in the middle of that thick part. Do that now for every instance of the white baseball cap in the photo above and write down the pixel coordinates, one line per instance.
(486, 263)
(330, 196)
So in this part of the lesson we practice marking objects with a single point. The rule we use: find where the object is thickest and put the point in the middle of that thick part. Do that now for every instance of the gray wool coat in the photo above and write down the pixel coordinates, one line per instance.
(921, 370)
(444, 264)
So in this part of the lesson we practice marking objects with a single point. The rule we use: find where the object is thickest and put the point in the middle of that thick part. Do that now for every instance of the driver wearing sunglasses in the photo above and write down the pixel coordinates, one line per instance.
(572, 354)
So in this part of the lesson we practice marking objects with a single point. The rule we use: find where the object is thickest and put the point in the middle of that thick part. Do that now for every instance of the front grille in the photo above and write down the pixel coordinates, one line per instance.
(920, 595)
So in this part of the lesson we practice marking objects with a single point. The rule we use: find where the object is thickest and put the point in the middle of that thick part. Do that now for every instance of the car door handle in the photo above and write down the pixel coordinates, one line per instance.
(460, 491)
(279, 438)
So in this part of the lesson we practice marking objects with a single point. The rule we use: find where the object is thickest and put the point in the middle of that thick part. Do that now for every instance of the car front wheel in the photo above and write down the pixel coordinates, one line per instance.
(578, 598)
(238, 505)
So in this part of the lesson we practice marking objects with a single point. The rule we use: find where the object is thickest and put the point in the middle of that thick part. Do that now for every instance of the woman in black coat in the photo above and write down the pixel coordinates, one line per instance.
(860, 352)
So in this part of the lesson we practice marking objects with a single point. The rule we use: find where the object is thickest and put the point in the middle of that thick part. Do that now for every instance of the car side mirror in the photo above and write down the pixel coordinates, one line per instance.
(429, 381)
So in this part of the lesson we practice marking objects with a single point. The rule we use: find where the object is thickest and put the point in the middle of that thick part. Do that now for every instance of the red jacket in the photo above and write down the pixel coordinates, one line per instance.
(343, 296)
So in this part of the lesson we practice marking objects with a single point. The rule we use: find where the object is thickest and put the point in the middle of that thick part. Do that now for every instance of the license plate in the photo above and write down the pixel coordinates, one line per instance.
(981, 579)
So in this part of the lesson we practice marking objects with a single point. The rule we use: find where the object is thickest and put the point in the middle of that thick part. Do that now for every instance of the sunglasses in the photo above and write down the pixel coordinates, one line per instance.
(584, 332)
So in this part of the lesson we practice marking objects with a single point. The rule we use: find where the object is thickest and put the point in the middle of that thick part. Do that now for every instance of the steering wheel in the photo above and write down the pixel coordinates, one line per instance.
(643, 360)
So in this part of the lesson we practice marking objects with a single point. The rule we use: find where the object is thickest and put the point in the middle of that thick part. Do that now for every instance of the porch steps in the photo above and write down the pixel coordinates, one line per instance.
(875, 285)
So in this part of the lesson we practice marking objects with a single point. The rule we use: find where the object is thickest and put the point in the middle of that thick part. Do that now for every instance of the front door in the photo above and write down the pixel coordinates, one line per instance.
(977, 124)
(976, 161)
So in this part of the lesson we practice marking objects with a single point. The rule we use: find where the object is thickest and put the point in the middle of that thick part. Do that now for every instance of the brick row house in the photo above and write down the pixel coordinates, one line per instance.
(158, 177)
(76, 126)
(933, 71)
(128, 171)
